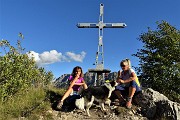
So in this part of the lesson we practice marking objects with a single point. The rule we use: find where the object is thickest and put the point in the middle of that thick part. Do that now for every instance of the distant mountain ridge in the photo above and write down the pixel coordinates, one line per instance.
(62, 81)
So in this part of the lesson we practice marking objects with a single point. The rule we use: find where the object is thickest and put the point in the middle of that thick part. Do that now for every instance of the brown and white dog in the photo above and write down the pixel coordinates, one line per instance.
(99, 94)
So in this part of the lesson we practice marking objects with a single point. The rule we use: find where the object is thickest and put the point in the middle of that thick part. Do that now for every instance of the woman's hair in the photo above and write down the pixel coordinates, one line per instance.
(76, 69)
(126, 61)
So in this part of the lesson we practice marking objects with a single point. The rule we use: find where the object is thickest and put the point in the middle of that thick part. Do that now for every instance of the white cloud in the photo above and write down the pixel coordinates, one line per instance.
(49, 57)
(76, 57)
(34, 55)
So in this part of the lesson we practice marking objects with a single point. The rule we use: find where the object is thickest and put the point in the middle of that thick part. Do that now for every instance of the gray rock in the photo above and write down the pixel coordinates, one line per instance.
(155, 105)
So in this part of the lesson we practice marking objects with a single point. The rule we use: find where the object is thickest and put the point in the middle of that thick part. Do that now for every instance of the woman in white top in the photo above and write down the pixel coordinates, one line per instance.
(128, 82)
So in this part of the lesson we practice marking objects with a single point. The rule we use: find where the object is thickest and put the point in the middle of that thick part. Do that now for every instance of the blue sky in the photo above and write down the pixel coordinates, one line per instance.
(49, 29)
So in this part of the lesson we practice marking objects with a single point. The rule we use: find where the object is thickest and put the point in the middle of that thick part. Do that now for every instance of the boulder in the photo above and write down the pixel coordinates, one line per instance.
(155, 105)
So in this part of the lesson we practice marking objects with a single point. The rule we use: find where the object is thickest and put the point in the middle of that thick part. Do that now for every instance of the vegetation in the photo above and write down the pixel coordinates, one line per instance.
(25, 88)
(22, 84)
(18, 72)
(159, 60)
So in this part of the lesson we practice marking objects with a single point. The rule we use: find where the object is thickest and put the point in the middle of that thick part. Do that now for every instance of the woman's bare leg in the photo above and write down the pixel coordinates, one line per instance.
(85, 86)
(132, 90)
(67, 93)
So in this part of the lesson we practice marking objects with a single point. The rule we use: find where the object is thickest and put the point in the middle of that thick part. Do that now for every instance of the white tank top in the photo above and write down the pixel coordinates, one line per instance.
(125, 76)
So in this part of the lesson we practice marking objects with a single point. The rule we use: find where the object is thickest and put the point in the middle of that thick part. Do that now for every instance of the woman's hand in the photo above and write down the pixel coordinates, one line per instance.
(121, 81)
(77, 76)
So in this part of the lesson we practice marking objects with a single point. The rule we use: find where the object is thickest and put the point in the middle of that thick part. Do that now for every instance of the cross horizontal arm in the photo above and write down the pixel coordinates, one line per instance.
(104, 25)
(87, 25)
(115, 25)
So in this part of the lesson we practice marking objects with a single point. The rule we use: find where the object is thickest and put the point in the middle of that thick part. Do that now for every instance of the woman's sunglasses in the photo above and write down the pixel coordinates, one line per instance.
(123, 65)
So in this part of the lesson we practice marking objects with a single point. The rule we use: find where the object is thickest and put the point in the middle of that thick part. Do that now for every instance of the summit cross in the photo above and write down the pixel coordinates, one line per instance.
(100, 53)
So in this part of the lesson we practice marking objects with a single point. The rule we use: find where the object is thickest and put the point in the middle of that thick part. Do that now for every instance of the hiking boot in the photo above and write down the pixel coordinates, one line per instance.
(128, 103)
(60, 104)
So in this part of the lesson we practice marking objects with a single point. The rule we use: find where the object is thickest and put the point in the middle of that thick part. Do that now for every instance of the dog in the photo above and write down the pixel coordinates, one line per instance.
(100, 94)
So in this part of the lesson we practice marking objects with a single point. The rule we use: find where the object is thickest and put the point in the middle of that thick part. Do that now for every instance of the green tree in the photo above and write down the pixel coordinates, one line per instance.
(160, 59)
(18, 72)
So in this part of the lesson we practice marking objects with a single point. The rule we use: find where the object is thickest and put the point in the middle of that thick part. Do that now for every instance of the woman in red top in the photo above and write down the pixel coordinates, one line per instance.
(76, 81)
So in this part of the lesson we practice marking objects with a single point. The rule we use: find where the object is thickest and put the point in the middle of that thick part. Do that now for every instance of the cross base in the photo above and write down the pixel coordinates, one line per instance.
(99, 75)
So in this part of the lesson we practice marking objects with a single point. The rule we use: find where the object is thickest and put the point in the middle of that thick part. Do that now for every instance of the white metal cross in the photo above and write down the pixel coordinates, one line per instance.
(100, 63)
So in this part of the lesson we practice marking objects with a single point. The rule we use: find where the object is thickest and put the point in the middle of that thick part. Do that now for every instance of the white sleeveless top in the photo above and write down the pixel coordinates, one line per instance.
(125, 76)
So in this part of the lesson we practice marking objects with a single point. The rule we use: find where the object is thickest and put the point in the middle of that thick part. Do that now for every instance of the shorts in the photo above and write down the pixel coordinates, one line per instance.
(125, 87)
(74, 93)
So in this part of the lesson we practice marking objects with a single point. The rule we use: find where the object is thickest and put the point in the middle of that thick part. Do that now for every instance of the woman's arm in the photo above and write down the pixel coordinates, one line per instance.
(133, 77)
(73, 82)
(82, 83)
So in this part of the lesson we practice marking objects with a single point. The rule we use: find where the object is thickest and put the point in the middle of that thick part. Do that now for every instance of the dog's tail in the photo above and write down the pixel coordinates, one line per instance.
(80, 103)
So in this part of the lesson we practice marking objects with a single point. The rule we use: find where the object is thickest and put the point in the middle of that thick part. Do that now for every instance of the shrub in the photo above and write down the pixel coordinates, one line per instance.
(18, 72)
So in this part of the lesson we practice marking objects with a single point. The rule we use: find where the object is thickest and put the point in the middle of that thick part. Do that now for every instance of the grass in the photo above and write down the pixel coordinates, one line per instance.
(30, 104)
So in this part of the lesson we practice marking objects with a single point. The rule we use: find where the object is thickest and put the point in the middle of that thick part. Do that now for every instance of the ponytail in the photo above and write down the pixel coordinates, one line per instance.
(129, 62)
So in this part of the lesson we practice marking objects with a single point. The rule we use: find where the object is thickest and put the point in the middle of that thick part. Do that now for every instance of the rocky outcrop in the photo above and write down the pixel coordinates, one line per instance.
(150, 105)
(157, 106)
